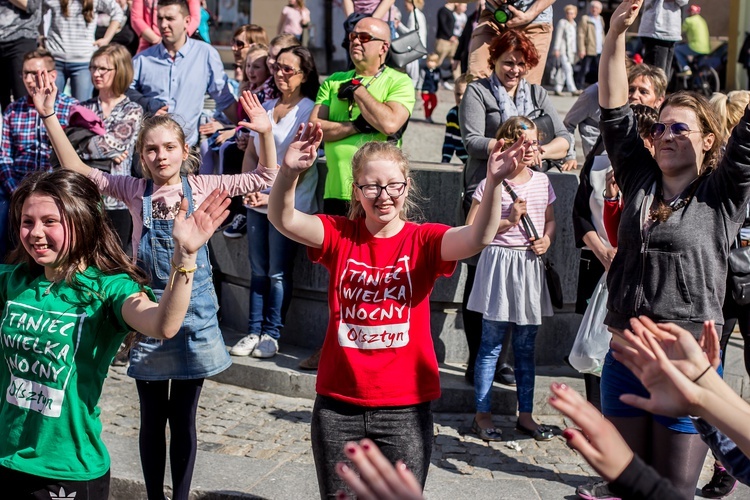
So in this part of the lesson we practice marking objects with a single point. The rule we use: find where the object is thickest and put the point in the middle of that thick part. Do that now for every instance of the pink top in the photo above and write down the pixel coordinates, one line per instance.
(143, 15)
(292, 20)
(164, 198)
(538, 194)
(369, 6)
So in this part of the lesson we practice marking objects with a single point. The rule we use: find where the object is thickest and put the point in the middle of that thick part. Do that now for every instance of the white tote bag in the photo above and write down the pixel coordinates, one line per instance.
(592, 341)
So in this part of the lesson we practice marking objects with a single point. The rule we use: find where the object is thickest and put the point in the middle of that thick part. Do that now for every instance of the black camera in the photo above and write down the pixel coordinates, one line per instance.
(502, 13)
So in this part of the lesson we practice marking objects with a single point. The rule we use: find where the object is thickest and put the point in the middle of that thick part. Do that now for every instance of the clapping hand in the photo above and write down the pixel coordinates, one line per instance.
(502, 164)
(192, 232)
(44, 93)
(302, 152)
(258, 120)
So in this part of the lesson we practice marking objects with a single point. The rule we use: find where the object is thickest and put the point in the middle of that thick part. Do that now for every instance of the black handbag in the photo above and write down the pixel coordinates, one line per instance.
(406, 48)
(545, 129)
(739, 274)
(554, 285)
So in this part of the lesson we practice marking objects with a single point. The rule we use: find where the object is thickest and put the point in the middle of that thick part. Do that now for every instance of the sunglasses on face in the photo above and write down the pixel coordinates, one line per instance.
(238, 44)
(287, 71)
(676, 129)
(363, 37)
(372, 191)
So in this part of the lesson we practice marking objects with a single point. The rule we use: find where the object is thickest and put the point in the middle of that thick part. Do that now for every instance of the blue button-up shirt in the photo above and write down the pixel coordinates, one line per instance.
(183, 81)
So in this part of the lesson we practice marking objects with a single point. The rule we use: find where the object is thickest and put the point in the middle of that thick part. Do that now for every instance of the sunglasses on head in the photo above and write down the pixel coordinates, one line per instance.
(363, 37)
(676, 129)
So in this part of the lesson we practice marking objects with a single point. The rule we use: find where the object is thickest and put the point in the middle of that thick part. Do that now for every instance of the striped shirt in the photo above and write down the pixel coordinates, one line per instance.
(70, 39)
(452, 142)
(538, 194)
(25, 146)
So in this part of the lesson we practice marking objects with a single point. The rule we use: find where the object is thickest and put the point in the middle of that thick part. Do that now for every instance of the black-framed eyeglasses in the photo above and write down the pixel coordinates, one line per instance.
(363, 37)
(238, 44)
(287, 71)
(676, 129)
(100, 69)
(392, 189)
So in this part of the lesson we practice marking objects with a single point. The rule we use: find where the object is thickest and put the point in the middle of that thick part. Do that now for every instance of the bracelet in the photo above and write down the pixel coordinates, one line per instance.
(47, 116)
(703, 373)
(180, 269)
(607, 198)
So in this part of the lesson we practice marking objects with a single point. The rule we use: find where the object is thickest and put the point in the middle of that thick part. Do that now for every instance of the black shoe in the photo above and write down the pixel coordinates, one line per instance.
(505, 375)
(595, 491)
(469, 376)
(721, 484)
(541, 433)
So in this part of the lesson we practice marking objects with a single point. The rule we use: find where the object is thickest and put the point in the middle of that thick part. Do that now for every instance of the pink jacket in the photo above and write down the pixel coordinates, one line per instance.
(143, 17)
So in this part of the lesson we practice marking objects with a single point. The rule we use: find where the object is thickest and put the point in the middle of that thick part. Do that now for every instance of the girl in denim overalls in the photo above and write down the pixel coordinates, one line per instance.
(169, 375)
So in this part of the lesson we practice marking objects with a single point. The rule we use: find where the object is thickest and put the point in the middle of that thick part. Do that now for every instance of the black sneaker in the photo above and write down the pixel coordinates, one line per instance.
(720, 485)
(237, 228)
(595, 491)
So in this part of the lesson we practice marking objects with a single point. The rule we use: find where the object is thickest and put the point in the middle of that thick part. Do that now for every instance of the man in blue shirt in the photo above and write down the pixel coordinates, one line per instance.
(174, 75)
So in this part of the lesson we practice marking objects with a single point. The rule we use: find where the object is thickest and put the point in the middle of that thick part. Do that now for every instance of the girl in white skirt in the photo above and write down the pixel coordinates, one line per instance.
(510, 289)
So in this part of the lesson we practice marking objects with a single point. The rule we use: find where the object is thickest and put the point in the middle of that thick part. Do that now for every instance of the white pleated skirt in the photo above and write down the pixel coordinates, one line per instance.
(510, 285)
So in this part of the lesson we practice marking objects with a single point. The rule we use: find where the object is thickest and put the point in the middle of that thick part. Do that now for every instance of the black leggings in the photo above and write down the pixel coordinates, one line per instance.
(178, 405)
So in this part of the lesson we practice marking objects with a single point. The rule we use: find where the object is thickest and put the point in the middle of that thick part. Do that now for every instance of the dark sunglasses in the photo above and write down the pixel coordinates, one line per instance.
(238, 43)
(286, 70)
(363, 37)
(676, 129)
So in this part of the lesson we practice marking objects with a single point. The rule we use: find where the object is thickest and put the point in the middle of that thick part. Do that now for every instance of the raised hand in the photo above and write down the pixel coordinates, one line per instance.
(192, 232)
(302, 152)
(378, 478)
(624, 15)
(502, 164)
(257, 116)
(44, 93)
(597, 440)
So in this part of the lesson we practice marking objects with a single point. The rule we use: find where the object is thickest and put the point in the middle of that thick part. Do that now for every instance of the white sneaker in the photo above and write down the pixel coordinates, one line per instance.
(245, 346)
(448, 86)
(267, 347)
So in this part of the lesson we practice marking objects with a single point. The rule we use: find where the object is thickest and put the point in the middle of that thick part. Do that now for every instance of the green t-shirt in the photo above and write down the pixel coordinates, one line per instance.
(390, 86)
(696, 32)
(57, 344)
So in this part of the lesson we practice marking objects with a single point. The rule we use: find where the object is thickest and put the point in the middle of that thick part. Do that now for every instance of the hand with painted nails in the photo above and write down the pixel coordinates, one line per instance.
(378, 478)
(597, 440)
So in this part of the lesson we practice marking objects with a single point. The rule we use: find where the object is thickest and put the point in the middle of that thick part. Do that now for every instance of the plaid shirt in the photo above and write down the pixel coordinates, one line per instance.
(25, 146)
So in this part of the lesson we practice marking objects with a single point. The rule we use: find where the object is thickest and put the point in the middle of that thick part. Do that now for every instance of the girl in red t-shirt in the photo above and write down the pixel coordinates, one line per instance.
(378, 371)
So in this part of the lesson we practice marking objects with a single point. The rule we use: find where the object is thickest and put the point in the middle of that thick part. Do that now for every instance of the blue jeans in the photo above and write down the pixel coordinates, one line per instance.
(682, 51)
(524, 341)
(271, 263)
(80, 79)
(401, 432)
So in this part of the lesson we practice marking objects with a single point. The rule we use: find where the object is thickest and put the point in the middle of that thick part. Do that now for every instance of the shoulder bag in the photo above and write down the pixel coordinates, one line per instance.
(406, 48)
(545, 130)
(553, 279)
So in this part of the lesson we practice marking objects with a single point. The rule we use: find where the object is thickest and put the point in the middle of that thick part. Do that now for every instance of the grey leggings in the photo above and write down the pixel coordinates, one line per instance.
(402, 433)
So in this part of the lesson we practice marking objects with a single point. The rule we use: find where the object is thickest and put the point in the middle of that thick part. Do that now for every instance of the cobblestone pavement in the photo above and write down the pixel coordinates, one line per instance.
(239, 422)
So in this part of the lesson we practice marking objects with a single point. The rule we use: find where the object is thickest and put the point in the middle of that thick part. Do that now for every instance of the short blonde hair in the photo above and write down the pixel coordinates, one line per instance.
(729, 109)
(191, 165)
(571, 7)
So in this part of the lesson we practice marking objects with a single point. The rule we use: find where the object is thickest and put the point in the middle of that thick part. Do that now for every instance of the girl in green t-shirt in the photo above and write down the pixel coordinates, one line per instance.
(69, 299)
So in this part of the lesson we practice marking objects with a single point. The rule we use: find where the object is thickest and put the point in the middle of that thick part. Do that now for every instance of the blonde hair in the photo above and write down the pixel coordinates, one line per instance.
(382, 151)
(729, 109)
(120, 58)
(192, 163)
(571, 7)
(513, 128)
(255, 48)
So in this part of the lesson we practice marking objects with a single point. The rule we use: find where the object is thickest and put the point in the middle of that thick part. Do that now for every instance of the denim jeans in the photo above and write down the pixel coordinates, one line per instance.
(524, 340)
(271, 263)
(682, 51)
(80, 79)
(402, 433)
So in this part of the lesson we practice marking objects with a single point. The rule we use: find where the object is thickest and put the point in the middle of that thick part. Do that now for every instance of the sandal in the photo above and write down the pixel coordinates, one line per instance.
(541, 433)
(488, 434)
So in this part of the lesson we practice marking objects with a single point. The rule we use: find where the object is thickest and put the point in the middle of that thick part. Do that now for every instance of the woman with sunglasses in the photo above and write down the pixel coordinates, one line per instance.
(271, 253)
(682, 209)
(145, 21)
(111, 73)
(244, 37)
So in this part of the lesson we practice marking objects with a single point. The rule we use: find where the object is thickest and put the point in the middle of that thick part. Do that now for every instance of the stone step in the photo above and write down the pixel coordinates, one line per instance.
(281, 375)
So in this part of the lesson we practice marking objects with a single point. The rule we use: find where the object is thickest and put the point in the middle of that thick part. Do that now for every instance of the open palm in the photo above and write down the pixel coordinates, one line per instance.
(191, 233)
(501, 164)
(303, 150)
(257, 117)
(44, 93)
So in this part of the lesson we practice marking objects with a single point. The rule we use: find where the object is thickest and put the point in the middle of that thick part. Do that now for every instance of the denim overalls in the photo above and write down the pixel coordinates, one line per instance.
(197, 351)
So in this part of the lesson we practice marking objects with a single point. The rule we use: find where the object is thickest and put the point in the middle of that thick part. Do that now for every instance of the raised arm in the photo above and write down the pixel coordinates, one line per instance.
(465, 241)
(190, 233)
(381, 11)
(44, 96)
(613, 77)
(258, 122)
(292, 223)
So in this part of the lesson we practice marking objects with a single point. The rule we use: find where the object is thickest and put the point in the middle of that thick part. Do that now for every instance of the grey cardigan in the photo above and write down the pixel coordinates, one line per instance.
(479, 116)
(677, 270)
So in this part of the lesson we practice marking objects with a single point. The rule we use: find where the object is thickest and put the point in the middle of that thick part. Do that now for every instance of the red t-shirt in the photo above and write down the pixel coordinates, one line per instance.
(378, 348)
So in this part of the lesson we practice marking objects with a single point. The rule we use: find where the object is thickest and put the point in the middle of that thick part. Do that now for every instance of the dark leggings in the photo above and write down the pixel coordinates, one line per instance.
(177, 404)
